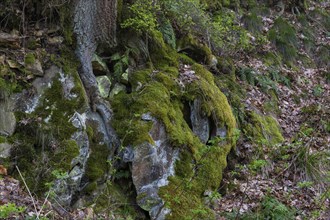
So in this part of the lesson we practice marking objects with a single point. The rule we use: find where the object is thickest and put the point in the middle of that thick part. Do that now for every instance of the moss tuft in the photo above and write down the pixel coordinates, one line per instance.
(263, 129)
(29, 59)
(283, 36)
(3, 139)
(161, 54)
(195, 50)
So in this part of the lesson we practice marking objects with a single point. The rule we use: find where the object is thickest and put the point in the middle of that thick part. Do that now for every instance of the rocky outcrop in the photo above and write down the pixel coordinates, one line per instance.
(7, 117)
(55, 114)
(152, 164)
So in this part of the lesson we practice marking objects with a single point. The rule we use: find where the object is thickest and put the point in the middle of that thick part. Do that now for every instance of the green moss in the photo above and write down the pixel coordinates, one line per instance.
(158, 93)
(3, 139)
(183, 58)
(29, 59)
(235, 93)
(44, 144)
(226, 65)
(90, 188)
(263, 130)
(115, 201)
(65, 15)
(97, 165)
(161, 54)
(215, 4)
(215, 103)
(271, 59)
(194, 49)
(283, 35)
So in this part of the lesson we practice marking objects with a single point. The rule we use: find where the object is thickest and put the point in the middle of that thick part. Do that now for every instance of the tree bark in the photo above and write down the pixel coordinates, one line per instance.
(94, 22)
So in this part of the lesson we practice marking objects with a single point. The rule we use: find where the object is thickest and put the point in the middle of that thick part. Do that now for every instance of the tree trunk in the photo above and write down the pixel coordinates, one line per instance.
(94, 22)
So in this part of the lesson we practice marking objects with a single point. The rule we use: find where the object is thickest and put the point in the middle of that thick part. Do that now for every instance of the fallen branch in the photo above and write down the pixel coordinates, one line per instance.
(34, 204)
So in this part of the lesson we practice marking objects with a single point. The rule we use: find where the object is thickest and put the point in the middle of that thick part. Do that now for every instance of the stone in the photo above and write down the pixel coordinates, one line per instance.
(9, 40)
(104, 85)
(13, 64)
(128, 154)
(151, 167)
(147, 117)
(200, 122)
(99, 66)
(124, 78)
(44, 82)
(35, 68)
(5, 150)
(55, 40)
(65, 188)
(7, 117)
(117, 89)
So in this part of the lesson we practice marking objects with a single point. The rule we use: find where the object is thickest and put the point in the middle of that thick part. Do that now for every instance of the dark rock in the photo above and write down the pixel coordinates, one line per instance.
(200, 122)
(151, 167)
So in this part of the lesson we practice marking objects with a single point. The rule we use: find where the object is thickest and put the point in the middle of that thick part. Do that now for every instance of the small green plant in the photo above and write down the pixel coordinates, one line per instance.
(143, 17)
(59, 174)
(305, 184)
(121, 63)
(10, 209)
(214, 195)
(257, 165)
(318, 90)
(283, 36)
(29, 59)
(274, 209)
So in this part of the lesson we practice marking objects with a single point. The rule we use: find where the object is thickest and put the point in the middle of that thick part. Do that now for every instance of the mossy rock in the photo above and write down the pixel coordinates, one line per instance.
(97, 164)
(158, 93)
(29, 59)
(226, 65)
(161, 54)
(197, 51)
(263, 129)
(44, 144)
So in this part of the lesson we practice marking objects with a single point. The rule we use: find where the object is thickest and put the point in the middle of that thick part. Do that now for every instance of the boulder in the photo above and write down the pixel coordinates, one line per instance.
(5, 150)
(104, 85)
(35, 68)
(152, 164)
(99, 66)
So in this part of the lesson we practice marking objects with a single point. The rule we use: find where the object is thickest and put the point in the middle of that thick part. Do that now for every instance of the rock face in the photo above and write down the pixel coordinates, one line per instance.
(152, 164)
(7, 117)
(57, 117)
(200, 121)
(5, 150)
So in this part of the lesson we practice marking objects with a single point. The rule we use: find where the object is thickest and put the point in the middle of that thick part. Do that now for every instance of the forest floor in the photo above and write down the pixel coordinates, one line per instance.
(288, 174)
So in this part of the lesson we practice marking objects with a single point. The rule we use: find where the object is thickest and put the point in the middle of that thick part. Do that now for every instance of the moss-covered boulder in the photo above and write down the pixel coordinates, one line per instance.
(263, 130)
(159, 121)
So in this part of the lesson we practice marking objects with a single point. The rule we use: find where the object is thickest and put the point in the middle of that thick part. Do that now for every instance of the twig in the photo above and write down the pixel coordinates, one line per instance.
(43, 203)
(34, 204)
